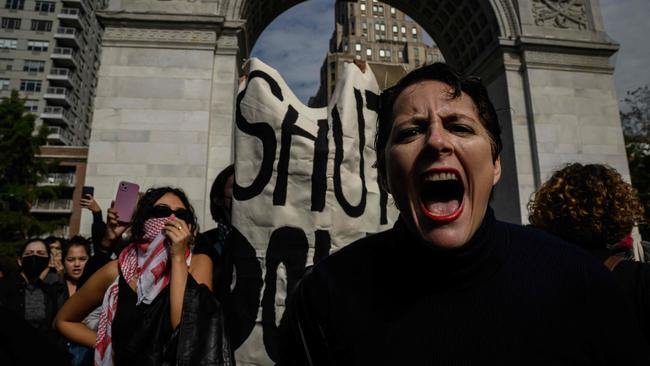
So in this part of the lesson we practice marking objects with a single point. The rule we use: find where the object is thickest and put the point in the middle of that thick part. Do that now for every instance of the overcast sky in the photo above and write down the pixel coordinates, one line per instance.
(296, 43)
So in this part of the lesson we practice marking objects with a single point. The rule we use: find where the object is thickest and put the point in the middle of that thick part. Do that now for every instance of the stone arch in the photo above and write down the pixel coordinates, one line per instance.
(464, 30)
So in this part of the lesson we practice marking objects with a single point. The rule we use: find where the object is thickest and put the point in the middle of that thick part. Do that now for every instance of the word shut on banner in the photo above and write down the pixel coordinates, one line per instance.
(304, 186)
(266, 133)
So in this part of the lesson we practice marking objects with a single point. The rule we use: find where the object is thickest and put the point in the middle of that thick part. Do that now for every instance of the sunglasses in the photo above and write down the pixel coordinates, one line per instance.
(164, 211)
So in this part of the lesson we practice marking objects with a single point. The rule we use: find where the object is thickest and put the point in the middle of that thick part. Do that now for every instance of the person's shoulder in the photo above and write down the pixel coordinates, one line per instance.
(354, 256)
(536, 247)
(539, 241)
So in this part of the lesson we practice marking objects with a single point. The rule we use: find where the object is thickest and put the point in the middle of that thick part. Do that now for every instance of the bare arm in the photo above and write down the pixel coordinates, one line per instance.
(201, 268)
(69, 319)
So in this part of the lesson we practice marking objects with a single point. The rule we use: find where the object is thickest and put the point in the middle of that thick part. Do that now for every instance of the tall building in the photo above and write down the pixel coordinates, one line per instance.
(49, 51)
(378, 33)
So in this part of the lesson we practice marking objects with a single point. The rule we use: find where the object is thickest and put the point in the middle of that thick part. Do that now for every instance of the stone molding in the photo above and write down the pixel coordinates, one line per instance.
(565, 14)
(567, 62)
(169, 38)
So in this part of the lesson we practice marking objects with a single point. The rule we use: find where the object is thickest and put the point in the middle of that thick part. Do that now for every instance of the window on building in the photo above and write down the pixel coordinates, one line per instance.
(416, 51)
(429, 58)
(376, 26)
(395, 38)
(4, 84)
(31, 106)
(45, 6)
(400, 55)
(382, 53)
(403, 29)
(394, 29)
(15, 4)
(6, 64)
(414, 31)
(41, 25)
(357, 47)
(388, 53)
(364, 25)
(362, 7)
(403, 39)
(392, 11)
(8, 43)
(381, 8)
(38, 45)
(30, 85)
(369, 52)
(375, 8)
(34, 66)
(10, 23)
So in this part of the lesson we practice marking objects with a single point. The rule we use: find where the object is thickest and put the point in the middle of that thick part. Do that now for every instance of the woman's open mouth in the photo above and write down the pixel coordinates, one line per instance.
(441, 197)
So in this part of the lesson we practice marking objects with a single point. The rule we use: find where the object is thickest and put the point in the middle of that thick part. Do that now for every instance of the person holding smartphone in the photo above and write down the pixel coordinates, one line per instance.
(99, 226)
(156, 302)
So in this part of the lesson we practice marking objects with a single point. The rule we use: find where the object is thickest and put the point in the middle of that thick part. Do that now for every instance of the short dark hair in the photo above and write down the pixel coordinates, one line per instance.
(76, 240)
(459, 83)
(53, 239)
(145, 206)
(216, 193)
(31, 240)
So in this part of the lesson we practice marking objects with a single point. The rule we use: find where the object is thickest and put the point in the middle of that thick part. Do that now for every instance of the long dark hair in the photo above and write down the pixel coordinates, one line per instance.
(216, 194)
(145, 207)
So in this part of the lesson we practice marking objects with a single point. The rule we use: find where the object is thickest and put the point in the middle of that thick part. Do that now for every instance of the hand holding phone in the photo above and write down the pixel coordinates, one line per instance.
(126, 200)
(88, 201)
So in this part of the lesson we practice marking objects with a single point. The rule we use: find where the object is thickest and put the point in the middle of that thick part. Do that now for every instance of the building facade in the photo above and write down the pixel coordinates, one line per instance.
(379, 34)
(70, 175)
(49, 51)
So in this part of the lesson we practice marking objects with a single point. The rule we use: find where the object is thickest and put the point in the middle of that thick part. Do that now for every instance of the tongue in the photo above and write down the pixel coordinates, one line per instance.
(442, 208)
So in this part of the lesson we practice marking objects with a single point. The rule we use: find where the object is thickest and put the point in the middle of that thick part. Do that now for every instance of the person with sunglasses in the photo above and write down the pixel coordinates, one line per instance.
(156, 303)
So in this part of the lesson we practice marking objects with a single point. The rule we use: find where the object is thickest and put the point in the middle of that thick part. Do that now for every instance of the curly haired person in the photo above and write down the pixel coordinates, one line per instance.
(592, 207)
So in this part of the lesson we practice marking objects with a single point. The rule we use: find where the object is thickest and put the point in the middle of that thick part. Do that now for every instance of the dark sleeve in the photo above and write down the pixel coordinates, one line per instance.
(634, 279)
(304, 341)
(98, 230)
(242, 302)
(614, 331)
(201, 334)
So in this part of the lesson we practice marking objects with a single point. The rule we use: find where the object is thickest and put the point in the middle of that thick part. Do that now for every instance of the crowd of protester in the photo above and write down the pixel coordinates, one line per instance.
(449, 284)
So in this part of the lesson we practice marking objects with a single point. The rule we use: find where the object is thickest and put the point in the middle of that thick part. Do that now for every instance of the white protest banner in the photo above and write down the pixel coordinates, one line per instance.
(304, 186)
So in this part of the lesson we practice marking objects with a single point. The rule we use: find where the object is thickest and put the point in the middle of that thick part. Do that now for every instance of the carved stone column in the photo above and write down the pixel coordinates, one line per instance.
(158, 91)
(225, 77)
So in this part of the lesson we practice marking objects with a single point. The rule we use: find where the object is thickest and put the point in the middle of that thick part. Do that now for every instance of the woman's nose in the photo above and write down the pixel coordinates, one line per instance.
(438, 138)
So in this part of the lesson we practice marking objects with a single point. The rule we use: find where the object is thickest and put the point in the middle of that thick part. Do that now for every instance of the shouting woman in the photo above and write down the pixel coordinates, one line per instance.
(449, 284)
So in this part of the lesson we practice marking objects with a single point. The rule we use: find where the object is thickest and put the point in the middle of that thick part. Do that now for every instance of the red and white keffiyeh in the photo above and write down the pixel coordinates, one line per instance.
(147, 261)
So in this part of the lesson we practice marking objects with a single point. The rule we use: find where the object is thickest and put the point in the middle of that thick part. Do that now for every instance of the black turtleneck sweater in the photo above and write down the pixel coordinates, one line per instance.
(510, 296)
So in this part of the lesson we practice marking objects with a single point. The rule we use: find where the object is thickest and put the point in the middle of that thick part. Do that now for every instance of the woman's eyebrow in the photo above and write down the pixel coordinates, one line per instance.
(458, 116)
(410, 117)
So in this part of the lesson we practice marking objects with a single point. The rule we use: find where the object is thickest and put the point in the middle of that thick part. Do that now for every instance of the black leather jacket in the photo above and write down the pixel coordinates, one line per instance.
(201, 336)
(142, 335)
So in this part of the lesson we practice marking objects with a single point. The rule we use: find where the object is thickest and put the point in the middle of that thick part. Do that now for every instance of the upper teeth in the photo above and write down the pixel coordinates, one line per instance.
(435, 176)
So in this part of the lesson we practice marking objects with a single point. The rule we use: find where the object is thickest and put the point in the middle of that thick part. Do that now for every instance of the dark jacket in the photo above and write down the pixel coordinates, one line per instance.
(18, 337)
(12, 295)
(142, 334)
(510, 296)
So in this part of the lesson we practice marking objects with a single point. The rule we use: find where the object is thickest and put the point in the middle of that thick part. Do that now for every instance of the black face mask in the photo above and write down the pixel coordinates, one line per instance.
(33, 265)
